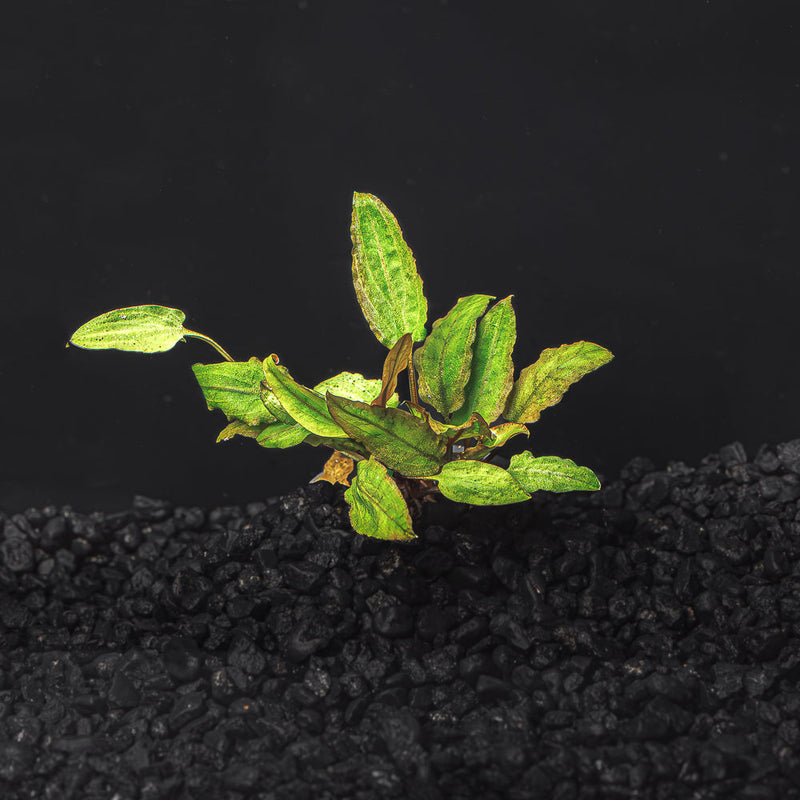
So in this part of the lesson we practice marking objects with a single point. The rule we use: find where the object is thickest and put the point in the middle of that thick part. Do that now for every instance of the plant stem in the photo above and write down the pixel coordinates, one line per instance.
(209, 340)
(412, 383)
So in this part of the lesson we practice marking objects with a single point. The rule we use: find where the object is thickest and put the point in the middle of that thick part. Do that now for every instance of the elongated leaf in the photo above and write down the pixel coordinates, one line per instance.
(552, 474)
(385, 277)
(377, 507)
(398, 439)
(305, 406)
(396, 361)
(543, 383)
(479, 483)
(491, 371)
(443, 362)
(139, 329)
(239, 428)
(282, 435)
(234, 387)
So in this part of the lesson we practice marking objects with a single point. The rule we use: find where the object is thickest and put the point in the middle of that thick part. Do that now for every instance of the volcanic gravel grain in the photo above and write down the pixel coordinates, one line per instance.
(637, 642)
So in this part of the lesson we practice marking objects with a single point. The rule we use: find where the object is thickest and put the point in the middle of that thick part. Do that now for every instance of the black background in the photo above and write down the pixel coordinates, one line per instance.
(628, 170)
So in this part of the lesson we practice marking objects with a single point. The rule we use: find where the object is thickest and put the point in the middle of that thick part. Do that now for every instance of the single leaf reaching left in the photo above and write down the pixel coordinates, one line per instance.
(239, 428)
(377, 507)
(138, 329)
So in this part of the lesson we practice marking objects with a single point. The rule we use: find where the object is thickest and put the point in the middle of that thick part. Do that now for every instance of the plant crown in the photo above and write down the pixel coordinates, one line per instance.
(463, 404)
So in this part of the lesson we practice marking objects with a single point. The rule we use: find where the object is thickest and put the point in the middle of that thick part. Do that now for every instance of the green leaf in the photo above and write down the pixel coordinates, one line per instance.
(443, 362)
(234, 387)
(552, 474)
(304, 405)
(140, 329)
(385, 277)
(398, 439)
(377, 507)
(239, 428)
(351, 385)
(479, 483)
(543, 383)
(281, 435)
(491, 371)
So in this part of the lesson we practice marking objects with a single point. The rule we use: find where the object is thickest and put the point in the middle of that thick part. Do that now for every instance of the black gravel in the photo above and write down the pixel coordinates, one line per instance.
(637, 642)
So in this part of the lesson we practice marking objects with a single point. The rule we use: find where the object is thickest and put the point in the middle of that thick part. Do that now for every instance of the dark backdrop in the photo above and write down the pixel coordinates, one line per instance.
(628, 170)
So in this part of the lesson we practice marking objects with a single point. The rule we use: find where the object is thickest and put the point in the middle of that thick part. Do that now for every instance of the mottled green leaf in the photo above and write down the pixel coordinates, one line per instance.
(400, 440)
(479, 483)
(543, 383)
(351, 385)
(234, 387)
(443, 362)
(140, 329)
(304, 405)
(491, 371)
(282, 435)
(385, 276)
(377, 507)
(551, 473)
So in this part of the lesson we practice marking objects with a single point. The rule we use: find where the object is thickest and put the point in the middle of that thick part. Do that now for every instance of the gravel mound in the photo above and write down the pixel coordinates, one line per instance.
(636, 642)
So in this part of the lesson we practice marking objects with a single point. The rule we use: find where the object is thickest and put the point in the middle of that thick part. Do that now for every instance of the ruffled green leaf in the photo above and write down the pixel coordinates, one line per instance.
(543, 383)
(385, 277)
(400, 440)
(443, 362)
(139, 329)
(552, 474)
(377, 507)
(491, 373)
(479, 483)
(234, 387)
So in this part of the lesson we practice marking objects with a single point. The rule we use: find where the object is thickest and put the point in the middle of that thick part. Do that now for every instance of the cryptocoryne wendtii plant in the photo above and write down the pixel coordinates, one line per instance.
(463, 400)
